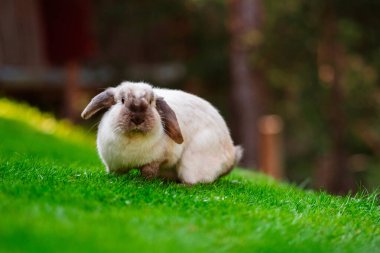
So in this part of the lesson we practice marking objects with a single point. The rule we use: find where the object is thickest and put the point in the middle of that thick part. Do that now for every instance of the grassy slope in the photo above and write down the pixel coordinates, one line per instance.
(55, 197)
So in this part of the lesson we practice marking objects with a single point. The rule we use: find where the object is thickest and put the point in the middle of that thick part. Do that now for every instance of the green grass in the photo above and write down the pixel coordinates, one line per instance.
(56, 197)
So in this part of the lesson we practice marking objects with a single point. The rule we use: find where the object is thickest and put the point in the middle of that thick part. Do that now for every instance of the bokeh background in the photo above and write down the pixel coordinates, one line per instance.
(312, 65)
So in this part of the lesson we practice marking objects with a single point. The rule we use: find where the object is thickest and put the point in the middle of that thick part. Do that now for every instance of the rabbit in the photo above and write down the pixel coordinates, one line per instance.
(165, 133)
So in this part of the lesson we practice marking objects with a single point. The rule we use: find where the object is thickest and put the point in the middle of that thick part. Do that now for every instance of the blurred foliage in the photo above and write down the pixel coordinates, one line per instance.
(165, 30)
(195, 33)
(43, 122)
(288, 57)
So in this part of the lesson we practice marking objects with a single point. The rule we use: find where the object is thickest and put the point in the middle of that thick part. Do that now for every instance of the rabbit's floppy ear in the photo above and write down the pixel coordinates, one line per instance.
(169, 120)
(104, 99)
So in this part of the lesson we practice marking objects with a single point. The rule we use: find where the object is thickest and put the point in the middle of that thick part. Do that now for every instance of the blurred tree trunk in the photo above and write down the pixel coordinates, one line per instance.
(335, 176)
(246, 18)
(71, 92)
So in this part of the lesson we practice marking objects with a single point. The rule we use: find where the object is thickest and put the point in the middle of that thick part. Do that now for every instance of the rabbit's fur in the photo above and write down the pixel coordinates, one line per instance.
(165, 133)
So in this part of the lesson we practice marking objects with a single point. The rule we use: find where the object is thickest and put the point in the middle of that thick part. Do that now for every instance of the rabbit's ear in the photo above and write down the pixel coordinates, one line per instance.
(169, 120)
(102, 100)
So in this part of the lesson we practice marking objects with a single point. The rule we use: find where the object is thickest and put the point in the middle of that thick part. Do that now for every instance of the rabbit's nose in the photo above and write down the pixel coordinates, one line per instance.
(138, 119)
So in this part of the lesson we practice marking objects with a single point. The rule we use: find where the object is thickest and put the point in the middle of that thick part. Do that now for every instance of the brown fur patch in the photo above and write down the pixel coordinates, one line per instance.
(169, 120)
(150, 171)
(104, 99)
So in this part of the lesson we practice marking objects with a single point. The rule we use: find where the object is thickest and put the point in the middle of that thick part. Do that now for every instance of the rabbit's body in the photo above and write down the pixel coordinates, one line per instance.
(203, 152)
(208, 150)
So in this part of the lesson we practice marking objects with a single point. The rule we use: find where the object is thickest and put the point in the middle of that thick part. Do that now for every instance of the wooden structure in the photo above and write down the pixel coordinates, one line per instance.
(271, 146)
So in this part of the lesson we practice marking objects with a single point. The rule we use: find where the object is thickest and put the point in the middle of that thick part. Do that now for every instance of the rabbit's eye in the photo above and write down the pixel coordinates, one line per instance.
(122, 100)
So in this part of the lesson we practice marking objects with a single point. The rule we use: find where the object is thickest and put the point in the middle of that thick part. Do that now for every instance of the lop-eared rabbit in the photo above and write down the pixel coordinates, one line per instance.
(165, 133)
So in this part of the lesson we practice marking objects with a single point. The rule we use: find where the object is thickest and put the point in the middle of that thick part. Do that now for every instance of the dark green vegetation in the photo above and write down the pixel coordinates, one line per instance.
(56, 197)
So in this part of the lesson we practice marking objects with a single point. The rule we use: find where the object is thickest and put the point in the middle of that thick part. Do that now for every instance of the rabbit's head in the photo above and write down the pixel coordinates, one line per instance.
(134, 109)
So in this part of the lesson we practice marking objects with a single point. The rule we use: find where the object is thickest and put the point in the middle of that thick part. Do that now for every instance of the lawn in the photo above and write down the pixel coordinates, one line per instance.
(56, 197)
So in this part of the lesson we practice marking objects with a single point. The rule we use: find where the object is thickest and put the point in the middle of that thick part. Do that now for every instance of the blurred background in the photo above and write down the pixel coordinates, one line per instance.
(297, 81)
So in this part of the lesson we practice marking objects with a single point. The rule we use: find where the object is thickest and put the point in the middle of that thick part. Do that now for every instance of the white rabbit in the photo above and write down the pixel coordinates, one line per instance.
(165, 133)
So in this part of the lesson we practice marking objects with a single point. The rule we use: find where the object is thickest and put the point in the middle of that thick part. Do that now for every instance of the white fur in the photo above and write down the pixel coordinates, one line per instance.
(207, 150)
